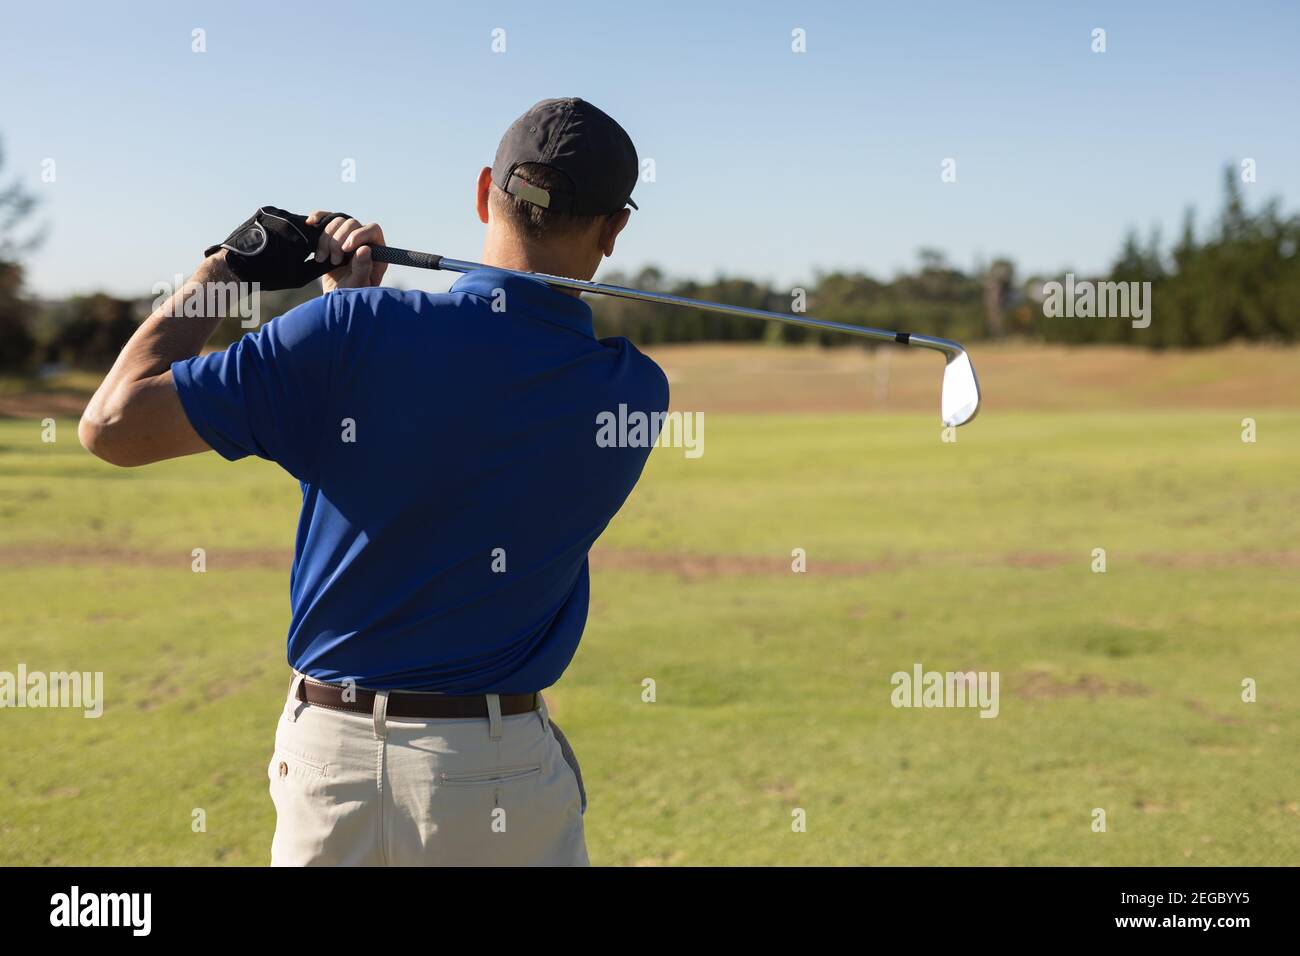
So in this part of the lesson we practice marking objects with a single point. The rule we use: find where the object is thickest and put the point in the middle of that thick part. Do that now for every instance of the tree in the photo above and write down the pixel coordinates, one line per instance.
(17, 345)
(93, 330)
(999, 281)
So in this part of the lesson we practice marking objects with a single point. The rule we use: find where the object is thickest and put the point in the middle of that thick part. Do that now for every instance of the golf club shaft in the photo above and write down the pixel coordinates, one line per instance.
(427, 260)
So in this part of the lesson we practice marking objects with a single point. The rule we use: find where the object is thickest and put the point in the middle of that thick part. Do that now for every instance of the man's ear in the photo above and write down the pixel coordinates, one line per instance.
(483, 190)
(610, 229)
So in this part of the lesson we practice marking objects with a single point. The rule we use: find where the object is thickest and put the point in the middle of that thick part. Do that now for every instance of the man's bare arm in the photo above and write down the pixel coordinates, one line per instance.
(135, 416)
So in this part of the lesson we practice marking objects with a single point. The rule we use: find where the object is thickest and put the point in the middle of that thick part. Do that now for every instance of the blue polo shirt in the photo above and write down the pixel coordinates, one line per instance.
(452, 481)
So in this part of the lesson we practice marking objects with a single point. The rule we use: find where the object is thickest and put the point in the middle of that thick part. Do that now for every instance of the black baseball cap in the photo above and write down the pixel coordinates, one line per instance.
(572, 137)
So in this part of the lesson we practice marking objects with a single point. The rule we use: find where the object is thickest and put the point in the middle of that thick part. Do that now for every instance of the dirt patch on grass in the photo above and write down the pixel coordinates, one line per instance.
(782, 790)
(663, 859)
(1202, 709)
(38, 405)
(691, 566)
(1189, 560)
(1224, 559)
(1013, 376)
(1035, 559)
(127, 557)
(1040, 685)
(1142, 805)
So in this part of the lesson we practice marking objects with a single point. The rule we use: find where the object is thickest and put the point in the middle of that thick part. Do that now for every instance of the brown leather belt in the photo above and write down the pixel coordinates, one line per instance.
(406, 704)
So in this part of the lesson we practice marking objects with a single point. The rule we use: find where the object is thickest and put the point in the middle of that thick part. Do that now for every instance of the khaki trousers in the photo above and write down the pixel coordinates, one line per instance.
(370, 790)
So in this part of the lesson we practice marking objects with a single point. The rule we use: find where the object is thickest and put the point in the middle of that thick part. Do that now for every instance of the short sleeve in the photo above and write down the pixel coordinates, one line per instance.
(266, 394)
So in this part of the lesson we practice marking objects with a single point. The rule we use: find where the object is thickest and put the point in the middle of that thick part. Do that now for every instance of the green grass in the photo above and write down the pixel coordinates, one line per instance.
(1119, 691)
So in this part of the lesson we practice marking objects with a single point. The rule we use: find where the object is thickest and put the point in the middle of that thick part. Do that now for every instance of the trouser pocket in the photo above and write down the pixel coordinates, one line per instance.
(572, 760)
(484, 778)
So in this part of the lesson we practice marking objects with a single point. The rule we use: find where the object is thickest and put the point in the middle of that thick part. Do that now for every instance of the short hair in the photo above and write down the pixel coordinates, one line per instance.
(532, 220)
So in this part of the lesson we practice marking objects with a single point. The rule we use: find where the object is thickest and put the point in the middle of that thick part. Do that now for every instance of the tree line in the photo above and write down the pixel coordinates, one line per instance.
(1237, 279)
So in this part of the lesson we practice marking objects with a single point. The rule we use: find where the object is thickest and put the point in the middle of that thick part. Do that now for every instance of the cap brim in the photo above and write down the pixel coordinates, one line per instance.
(631, 203)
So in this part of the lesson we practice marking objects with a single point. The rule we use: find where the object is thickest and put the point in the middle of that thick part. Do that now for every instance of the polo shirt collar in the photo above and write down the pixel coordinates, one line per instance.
(553, 305)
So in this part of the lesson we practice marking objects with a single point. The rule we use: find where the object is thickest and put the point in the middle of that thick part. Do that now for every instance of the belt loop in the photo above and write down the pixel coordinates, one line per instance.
(293, 706)
(494, 716)
(380, 715)
(543, 713)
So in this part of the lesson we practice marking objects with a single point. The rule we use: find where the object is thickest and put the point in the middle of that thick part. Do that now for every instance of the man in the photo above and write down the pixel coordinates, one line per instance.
(452, 486)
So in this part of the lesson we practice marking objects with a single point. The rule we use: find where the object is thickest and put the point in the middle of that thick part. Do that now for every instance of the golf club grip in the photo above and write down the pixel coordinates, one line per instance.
(405, 257)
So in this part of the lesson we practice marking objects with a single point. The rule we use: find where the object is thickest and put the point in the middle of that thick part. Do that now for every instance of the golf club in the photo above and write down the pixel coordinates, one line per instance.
(960, 400)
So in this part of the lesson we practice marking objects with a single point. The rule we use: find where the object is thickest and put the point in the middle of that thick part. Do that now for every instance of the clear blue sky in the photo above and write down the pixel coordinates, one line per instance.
(769, 163)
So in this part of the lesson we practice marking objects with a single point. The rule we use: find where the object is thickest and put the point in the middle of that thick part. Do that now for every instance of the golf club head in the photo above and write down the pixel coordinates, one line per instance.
(961, 390)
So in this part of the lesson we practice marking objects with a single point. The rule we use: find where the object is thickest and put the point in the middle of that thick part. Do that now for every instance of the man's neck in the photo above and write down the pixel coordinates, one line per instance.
(509, 254)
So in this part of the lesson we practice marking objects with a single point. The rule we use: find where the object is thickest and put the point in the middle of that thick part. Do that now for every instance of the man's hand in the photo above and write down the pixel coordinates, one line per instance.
(274, 248)
(345, 237)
